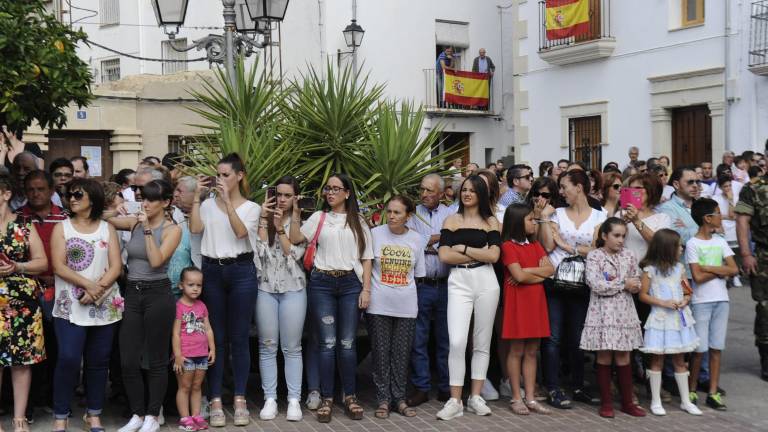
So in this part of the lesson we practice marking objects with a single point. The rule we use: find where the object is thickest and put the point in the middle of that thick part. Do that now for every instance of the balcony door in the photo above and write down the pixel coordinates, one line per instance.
(691, 135)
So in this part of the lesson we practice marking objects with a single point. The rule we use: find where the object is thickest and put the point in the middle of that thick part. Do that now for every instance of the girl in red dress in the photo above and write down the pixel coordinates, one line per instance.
(525, 319)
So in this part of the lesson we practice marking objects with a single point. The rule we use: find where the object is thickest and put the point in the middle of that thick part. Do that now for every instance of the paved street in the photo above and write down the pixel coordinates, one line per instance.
(747, 401)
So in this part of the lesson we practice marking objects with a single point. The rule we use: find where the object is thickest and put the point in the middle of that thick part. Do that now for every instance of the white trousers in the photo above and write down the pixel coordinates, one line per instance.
(471, 290)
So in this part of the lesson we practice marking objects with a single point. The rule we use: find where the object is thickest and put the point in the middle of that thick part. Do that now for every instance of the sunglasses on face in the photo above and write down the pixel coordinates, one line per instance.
(529, 177)
(137, 188)
(61, 174)
(77, 195)
(692, 182)
(545, 195)
(616, 186)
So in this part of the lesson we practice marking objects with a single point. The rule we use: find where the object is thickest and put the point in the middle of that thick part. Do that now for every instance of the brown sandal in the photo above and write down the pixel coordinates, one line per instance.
(405, 410)
(382, 411)
(518, 407)
(325, 411)
(537, 408)
(352, 408)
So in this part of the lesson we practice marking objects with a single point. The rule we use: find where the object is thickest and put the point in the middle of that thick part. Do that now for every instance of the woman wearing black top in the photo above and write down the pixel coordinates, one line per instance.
(469, 242)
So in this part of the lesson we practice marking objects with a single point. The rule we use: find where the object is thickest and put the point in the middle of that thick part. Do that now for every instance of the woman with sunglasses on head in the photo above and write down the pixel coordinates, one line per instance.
(339, 285)
(230, 285)
(21, 317)
(470, 242)
(611, 193)
(85, 254)
(282, 300)
(570, 231)
(150, 307)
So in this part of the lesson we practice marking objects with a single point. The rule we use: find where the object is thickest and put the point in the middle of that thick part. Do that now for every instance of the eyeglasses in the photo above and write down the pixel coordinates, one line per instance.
(529, 177)
(545, 195)
(77, 195)
(61, 174)
(137, 188)
(692, 182)
(713, 214)
(333, 190)
(616, 186)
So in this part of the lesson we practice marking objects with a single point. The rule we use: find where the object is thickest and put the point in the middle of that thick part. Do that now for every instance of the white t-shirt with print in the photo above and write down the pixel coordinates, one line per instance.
(712, 252)
(399, 258)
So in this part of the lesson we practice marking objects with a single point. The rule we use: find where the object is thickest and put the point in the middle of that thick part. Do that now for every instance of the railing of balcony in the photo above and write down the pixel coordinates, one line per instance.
(433, 97)
(599, 26)
(758, 37)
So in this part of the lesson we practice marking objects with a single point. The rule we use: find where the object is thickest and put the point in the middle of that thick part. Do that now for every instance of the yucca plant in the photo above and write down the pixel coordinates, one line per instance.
(331, 117)
(396, 156)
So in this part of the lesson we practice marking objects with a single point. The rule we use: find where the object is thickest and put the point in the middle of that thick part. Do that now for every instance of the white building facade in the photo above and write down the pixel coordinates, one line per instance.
(682, 78)
(401, 43)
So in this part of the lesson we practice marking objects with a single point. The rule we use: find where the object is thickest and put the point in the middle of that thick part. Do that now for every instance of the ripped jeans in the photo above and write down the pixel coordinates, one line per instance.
(334, 314)
(280, 319)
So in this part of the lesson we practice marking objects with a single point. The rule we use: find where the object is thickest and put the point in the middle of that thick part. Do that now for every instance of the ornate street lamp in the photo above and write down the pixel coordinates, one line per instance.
(241, 19)
(353, 35)
(270, 10)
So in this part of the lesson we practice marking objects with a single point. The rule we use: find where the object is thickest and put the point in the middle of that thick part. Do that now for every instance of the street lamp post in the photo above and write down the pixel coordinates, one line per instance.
(353, 37)
(244, 21)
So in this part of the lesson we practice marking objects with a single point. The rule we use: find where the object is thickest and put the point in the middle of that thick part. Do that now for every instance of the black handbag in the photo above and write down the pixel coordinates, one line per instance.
(570, 276)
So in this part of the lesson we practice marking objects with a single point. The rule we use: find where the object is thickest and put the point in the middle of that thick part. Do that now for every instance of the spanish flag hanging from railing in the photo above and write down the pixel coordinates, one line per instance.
(567, 18)
(466, 88)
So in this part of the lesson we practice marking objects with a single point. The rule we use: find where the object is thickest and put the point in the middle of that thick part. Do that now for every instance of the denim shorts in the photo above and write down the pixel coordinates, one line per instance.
(195, 363)
(711, 324)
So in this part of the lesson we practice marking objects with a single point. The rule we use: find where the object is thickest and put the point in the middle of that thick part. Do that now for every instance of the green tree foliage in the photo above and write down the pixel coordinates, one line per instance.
(41, 73)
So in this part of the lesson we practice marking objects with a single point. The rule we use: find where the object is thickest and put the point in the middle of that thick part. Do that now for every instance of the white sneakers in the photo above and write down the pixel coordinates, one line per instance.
(269, 412)
(658, 410)
(690, 408)
(133, 425)
(294, 410)
(476, 404)
(136, 424)
(488, 392)
(452, 409)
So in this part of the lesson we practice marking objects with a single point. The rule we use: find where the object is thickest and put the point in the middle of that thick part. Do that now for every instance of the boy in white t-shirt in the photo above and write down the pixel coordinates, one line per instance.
(711, 262)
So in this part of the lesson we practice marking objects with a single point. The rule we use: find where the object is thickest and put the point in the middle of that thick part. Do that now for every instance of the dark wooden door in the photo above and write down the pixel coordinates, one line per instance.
(458, 144)
(585, 141)
(691, 136)
(68, 144)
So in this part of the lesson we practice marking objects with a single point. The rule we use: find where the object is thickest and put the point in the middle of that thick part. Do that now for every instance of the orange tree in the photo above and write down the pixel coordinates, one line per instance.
(40, 73)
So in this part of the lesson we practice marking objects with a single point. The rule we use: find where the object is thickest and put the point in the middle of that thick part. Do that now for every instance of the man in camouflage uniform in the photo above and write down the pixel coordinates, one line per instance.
(752, 217)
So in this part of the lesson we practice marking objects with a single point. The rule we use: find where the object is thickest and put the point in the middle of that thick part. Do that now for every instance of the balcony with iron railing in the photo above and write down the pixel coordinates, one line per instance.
(591, 41)
(434, 104)
(758, 38)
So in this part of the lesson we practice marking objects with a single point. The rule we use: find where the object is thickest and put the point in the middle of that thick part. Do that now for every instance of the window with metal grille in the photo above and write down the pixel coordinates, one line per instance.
(110, 70)
(758, 39)
(169, 53)
(109, 12)
(693, 12)
(585, 141)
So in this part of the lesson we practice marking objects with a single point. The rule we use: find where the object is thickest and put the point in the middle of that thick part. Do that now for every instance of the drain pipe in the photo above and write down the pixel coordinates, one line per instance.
(726, 51)
(321, 31)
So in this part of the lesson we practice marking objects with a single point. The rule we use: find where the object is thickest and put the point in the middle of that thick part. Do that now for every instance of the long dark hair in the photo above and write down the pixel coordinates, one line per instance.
(481, 190)
(287, 180)
(606, 228)
(513, 227)
(545, 182)
(236, 162)
(662, 251)
(493, 186)
(354, 219)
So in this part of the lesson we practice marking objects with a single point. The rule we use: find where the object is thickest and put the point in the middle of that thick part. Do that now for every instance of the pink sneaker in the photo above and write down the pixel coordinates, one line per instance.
(200, 422)
(188, 424)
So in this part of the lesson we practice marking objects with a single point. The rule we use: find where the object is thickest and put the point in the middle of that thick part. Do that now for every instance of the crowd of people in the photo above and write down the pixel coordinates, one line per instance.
(101, 283)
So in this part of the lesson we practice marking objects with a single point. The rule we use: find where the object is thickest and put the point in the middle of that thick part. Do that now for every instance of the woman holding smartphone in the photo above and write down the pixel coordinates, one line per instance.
(21, 318)
(150, 307)
(86, 260)
(230, 286)
(339, 286)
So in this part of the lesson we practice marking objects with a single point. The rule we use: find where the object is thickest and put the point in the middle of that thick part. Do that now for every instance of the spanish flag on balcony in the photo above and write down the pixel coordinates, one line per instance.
(466, 88)
(567, 18)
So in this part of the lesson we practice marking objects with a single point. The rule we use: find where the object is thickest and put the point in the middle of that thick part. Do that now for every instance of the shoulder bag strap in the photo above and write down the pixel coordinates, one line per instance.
(319, 228)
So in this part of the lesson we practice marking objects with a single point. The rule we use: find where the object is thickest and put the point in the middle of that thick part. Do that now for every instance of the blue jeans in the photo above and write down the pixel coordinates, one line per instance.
(567, 313)
(281, 318)
(93, 342)
(334, 314)
(229, 292)
(433, 305)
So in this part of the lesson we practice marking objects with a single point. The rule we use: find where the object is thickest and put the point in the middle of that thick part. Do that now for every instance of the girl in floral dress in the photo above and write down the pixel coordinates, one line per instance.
(86, 261)
(21, 318)
(612, 327)
(669, 327)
